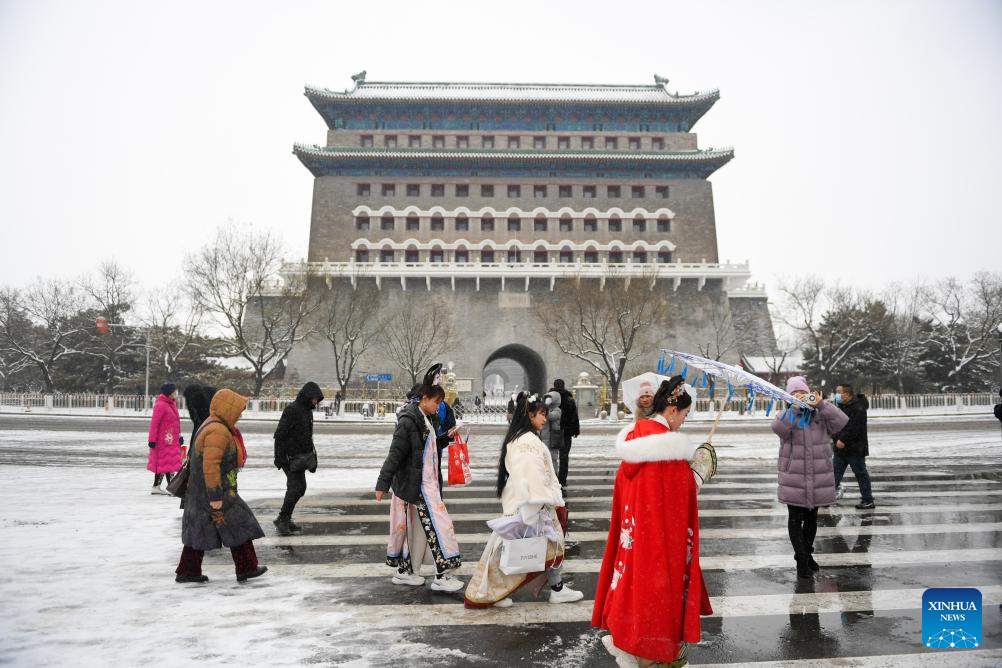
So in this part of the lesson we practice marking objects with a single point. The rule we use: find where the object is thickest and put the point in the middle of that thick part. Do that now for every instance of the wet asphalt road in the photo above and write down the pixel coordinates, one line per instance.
(938, 524)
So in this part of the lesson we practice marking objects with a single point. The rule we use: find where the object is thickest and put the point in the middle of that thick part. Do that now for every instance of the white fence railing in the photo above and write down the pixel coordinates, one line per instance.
(383, 409)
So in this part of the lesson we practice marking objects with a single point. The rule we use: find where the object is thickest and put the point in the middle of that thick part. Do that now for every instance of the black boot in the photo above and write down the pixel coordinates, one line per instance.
(283, 525)
(191, 578)
(295, 527)
(811, 563)
(260, 570)
(804, 571)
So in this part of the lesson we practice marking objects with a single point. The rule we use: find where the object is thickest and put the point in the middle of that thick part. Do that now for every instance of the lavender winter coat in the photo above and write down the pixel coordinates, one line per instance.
(165, 431)
(806, 474)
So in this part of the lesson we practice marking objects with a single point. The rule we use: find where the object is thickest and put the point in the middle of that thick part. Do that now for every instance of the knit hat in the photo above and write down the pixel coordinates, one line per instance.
(168, 389)
(646, 389)
(797, 384)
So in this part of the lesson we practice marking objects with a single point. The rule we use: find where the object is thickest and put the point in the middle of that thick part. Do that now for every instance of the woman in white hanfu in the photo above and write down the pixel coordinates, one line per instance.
(532, 504)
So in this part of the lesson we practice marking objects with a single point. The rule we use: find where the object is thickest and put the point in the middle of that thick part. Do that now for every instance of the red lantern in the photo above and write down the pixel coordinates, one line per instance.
(102, 325)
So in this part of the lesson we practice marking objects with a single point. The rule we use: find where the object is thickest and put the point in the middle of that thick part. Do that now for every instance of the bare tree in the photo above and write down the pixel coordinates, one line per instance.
(964, 325)
(235, 278)
(905, 338)
(416, 335)
(40, 326)
(724, 338)
(605, 328)
(349, 320)
(174, 323)
(834, 324)
(111, 294)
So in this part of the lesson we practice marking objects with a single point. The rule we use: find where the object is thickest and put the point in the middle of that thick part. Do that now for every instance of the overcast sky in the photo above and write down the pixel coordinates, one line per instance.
(867, 134)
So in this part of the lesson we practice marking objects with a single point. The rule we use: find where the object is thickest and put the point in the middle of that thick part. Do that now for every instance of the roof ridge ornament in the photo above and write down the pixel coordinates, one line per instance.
(359, 78)
(660, 80)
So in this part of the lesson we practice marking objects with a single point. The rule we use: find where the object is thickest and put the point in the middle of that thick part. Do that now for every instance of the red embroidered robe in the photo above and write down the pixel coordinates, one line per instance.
(650, 590)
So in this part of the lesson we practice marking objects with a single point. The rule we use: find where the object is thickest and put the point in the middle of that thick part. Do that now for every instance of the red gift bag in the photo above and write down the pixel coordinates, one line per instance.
(459, 461)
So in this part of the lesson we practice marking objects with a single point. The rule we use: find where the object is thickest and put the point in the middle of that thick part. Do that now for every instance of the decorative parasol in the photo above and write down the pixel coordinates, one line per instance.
(714, 375)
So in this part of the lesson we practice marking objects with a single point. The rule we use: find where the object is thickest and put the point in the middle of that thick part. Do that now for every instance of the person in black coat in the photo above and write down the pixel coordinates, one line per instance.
(293, 437)
(197, 398)
(998, 407)
(570, 426)
(851, 446)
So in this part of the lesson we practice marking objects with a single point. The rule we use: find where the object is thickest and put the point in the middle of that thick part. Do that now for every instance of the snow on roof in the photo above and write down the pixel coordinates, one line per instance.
(513, 92)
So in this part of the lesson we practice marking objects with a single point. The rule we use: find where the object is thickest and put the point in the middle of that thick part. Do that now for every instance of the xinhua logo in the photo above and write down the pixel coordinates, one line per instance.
(951, 618)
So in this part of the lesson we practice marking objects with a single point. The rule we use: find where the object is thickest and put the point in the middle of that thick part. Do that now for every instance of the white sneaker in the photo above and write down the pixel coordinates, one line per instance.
(447, 583)
(565, 595)
(158, 490)
(409, 579)
(839, 492)
(504, 603)
(623, 659)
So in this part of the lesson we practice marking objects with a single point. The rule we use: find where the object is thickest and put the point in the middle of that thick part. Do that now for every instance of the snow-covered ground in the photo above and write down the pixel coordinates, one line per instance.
(87, 555)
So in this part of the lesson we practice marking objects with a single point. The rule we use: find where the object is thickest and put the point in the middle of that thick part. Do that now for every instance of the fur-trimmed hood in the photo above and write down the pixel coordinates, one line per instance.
(650, 441)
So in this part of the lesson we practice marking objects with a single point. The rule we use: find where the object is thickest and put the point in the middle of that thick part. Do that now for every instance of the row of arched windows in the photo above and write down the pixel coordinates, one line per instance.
(512, 256)
(461, 223)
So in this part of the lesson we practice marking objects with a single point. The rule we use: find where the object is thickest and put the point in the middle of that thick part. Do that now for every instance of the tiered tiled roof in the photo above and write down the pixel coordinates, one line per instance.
(380, 91)
(703, 163)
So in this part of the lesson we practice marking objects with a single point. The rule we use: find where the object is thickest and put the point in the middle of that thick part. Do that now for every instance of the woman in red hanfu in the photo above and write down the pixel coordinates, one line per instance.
(650, 590)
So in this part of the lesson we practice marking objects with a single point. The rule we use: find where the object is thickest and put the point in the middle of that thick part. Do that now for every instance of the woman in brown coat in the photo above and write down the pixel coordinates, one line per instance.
(214, 514)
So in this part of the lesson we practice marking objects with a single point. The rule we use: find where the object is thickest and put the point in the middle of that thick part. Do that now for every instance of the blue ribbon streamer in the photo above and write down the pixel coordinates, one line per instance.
(730, 391)
(671, 366)
(768, 409)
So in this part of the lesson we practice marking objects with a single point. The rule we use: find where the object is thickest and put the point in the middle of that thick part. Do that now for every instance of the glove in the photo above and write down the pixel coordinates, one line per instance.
(181, 440)
(217, 517)
(153, 444)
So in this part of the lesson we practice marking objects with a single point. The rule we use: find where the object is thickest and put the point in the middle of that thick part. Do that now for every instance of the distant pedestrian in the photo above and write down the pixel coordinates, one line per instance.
(165, 438)
(421, 530)
(530, 500)
(293, 449)
(851, 446)
(806, 476)
(337, 402)
(214, 513)
(570, 426)
(650, 592)
(998, 407)
(644, 400)
(551, 435)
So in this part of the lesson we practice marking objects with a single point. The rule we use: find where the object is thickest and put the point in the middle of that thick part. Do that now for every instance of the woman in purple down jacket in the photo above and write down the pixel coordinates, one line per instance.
(806, 473)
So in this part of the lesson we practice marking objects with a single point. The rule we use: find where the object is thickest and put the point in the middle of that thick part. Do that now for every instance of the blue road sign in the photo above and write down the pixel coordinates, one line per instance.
(378, 377)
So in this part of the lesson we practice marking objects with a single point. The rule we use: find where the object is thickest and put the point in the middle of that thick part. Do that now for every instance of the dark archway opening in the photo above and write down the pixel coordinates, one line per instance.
(517, 365)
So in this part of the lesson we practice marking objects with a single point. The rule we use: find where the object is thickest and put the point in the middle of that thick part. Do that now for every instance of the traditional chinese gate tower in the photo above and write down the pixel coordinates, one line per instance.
(486, 194)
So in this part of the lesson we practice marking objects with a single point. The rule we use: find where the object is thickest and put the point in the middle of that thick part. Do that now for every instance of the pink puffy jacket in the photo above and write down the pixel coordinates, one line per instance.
(165, 431)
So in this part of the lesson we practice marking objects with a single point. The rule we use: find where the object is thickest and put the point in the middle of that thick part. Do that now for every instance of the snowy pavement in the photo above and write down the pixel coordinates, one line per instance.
(87, 558)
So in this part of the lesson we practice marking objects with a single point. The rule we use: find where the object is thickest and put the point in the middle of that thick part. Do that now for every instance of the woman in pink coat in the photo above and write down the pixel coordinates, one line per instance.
(165, 438)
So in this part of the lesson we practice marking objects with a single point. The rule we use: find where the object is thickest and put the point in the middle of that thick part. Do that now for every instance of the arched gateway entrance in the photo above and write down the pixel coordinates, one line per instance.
(512, 367)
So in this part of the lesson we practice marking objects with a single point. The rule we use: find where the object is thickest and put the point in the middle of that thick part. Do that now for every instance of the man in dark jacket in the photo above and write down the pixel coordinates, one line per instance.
(851, 444)
(294, 436)
(570, 426)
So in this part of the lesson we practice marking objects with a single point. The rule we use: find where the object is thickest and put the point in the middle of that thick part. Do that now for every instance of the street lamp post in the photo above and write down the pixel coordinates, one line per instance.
(104, 327)
(999, 330)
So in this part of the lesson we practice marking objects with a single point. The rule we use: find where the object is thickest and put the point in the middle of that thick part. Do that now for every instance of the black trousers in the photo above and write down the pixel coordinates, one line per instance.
(802, 525)
(295, 489)
(565, 455)
(159, 477)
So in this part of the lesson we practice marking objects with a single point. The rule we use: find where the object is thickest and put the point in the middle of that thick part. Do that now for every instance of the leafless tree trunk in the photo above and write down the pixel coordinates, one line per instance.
(349, 320)
(604, 328)
(416, 334)
(235, 278)
(39, 325)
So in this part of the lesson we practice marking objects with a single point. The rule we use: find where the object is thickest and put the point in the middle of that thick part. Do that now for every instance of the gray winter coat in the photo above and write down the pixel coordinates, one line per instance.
(806, 474)
(551, 433)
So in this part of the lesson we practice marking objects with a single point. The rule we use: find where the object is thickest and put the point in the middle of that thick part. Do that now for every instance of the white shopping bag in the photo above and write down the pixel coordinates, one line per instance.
(523, 555)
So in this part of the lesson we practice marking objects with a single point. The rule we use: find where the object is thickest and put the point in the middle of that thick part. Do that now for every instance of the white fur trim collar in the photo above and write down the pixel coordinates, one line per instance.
(668, 446)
